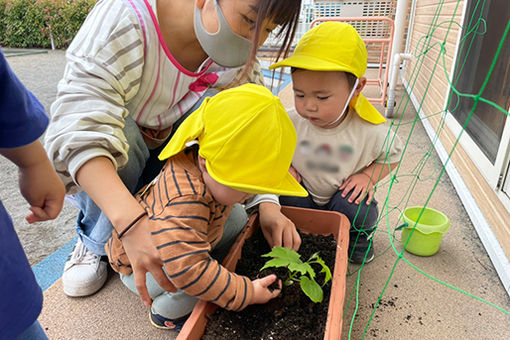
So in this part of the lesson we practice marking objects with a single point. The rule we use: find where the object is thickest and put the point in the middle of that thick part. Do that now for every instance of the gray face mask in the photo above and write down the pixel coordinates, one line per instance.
(225, 47)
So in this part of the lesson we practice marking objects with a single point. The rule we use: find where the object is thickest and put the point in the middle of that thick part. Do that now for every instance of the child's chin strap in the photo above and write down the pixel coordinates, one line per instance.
(346, 103)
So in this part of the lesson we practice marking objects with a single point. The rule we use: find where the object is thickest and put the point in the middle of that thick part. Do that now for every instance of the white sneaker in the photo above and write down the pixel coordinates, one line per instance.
(84, 272)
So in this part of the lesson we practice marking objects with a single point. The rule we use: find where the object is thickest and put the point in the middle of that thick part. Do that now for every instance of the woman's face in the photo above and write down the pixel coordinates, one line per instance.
(241, 15)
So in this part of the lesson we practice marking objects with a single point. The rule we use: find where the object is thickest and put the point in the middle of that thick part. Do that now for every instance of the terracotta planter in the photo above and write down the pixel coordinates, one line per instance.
(307, 220)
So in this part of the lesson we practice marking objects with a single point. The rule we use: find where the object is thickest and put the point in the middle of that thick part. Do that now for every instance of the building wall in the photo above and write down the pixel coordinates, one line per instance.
(430, 27)
(425, 75)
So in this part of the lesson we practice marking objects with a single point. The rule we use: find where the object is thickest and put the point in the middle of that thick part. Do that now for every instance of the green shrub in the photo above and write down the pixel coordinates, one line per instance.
(2, 24)
(31, 23)
(67, 20)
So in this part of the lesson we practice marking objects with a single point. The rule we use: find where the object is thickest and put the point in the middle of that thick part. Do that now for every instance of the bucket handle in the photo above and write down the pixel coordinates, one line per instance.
(402, 226)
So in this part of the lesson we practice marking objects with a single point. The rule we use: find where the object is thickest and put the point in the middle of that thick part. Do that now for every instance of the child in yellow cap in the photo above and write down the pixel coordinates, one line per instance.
(342, 149)
(238, 143)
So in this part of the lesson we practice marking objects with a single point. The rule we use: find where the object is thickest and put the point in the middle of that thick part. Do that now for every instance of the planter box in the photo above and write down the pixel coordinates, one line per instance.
(308, 221)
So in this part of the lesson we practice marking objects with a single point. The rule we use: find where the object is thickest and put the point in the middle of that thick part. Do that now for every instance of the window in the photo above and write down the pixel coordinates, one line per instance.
(483, 28)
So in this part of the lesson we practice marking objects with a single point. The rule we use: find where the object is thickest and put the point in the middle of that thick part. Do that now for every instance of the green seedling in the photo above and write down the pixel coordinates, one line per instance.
(299, 271)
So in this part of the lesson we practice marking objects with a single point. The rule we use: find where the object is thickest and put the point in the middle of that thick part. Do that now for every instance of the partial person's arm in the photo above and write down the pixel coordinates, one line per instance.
(22, 121)
(278, 230)
(180, 229)
(38, 182)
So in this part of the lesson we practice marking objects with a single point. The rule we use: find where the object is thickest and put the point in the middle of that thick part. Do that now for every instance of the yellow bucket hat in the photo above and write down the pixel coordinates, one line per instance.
(246, 138)
(335, 46)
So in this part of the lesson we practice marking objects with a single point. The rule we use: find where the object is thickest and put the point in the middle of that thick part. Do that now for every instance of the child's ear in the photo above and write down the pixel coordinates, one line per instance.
(361, 84)
(201, 164)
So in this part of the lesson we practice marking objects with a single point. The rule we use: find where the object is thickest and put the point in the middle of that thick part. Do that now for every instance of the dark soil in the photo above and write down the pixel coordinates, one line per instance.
(290, 316)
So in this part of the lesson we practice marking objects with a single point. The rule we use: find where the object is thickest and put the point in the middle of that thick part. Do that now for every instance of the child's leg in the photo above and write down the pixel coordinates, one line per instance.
(233, 227)
(169, 305)
(176, 305)
(302, 202)
(363, 219)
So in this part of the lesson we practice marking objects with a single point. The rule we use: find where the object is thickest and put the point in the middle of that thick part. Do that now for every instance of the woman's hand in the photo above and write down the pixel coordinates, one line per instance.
(277, 228)
(144, 258)
(360, 185)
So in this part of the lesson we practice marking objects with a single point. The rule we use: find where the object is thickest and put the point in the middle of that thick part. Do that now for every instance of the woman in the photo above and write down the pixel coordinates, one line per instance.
(135, 70)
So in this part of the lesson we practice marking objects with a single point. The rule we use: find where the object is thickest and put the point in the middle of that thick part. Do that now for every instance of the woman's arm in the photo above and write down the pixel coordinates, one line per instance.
(99, 178)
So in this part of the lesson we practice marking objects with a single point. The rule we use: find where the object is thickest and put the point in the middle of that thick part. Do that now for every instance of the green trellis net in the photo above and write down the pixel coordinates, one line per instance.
(475, 25)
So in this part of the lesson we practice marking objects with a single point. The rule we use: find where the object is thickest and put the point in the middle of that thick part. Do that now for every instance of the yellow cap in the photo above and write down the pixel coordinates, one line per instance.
(246, 138)
(335, 46)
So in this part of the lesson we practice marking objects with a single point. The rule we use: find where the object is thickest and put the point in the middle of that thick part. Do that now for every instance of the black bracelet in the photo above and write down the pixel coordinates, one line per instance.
(138, 218)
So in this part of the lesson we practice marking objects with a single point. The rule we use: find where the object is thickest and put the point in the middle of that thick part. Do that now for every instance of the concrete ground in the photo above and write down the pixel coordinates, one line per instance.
(412, 304)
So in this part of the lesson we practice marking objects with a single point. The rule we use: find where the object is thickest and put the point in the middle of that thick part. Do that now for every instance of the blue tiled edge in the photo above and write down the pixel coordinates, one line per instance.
(50, 269)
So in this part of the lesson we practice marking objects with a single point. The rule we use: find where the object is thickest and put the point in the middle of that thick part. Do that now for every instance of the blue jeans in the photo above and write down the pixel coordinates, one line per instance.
(176, 305)
(93, 227)
(363, 221)
(34, 332)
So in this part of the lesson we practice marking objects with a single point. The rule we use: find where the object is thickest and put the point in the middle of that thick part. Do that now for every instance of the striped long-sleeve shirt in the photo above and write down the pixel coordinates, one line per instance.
(185, 223)
(118, 65)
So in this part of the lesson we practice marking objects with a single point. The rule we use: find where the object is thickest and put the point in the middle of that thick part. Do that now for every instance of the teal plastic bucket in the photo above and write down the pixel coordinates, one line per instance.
(426, 238)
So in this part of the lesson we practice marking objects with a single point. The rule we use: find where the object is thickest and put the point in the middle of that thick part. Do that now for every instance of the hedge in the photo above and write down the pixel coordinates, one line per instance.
(31, 23)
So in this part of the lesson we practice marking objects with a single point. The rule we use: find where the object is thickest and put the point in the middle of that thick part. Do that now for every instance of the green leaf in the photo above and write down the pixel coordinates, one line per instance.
(284, 253)
(314, 257)
(311, 288)
(302, 268)
(275, 263)
(325, 269)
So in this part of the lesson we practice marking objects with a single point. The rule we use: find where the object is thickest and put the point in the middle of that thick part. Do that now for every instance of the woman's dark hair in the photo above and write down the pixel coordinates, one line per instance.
(284, 13)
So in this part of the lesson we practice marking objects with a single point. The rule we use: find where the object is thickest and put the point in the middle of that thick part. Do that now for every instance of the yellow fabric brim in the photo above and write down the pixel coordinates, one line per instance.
(189, 130)
(307, 62)
(288, 186)
(366, 110)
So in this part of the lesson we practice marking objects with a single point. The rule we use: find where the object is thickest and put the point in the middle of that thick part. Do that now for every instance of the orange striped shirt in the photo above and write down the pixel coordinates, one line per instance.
(186, 223)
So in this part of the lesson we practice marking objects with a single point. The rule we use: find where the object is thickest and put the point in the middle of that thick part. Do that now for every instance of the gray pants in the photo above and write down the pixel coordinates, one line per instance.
(179, 304)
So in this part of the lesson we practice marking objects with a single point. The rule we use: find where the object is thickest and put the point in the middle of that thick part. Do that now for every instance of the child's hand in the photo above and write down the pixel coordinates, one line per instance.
(360, 185)
(278, 230)
(261, 292)
(38, 182)
(43, 190)
(295, 174)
